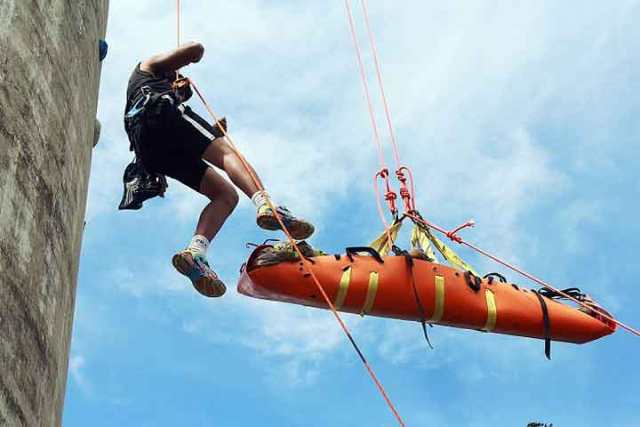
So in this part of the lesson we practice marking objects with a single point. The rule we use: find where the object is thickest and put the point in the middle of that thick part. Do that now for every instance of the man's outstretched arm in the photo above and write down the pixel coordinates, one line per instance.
(186, 54)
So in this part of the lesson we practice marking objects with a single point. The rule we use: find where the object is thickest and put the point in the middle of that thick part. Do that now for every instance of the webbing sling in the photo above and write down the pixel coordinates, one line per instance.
(423, 315)
(547, 325)
(382, 243)
(419, 240)
(448, 254)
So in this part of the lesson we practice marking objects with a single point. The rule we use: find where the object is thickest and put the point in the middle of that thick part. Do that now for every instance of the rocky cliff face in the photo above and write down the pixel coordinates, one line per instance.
(49, 76)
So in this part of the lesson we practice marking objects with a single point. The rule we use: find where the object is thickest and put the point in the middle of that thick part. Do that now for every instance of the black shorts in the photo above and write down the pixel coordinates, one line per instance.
(175, 147)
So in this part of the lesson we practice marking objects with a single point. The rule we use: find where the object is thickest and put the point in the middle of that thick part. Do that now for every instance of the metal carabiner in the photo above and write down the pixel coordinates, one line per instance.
(138, 106)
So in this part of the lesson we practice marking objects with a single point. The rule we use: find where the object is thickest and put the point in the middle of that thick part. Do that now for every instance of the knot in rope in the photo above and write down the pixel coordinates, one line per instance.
(407, 195)
(452, 234)
(390, 196)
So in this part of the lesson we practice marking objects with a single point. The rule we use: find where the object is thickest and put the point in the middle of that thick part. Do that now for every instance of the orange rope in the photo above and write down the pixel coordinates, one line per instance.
(306, 262)
(178, 21)
(178, 8)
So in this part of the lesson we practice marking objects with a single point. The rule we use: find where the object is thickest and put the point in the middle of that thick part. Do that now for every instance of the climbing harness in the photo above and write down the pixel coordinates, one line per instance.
(139, 183)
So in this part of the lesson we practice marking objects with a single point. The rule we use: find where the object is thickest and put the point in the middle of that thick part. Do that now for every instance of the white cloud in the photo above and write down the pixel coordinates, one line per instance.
(148, 279)
(578, 216)
(403, 344)
(76, 365)
(297, 339)
(287, 330)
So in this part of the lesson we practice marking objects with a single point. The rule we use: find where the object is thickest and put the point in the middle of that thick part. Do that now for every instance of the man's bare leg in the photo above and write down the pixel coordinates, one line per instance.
(224, 199)
(222, 155)
(192, 262)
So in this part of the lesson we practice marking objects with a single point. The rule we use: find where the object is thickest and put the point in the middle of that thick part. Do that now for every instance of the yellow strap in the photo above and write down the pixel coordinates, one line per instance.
(371, 293)
(382, 244)
(492, 311)
(438, 306)
(420, 240)
(446, 252)
(343, 288)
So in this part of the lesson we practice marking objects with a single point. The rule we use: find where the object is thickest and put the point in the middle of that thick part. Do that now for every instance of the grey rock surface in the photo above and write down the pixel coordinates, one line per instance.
(49, 77)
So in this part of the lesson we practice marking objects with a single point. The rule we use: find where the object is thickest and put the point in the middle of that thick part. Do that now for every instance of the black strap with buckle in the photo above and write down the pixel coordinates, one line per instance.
(547, 325)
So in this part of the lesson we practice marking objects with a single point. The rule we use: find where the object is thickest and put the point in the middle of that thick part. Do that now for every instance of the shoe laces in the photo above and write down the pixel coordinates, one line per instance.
(201, 262)
(284, 212)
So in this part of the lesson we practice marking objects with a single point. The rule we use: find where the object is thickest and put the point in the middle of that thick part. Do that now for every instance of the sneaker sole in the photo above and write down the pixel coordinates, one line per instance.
(299, 230)
(206, 286)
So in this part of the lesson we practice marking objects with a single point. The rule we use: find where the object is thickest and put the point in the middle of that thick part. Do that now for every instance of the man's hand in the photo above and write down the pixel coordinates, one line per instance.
(197, 50)
(186, 54)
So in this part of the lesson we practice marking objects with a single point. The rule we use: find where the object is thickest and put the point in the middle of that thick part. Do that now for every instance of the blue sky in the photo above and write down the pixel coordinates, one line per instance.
(522, 115)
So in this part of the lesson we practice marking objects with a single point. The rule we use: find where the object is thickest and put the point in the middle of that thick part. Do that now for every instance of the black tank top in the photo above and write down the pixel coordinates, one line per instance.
(157, 83)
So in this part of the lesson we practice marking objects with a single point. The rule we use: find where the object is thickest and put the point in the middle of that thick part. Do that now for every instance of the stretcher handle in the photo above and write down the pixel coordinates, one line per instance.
(355, 250)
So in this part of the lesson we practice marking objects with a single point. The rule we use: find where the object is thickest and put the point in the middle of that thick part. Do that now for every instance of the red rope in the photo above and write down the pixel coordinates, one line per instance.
(405, 193)
(390, 196)
(453, 236)
(365, 84)
(387, 113)
(412, 200)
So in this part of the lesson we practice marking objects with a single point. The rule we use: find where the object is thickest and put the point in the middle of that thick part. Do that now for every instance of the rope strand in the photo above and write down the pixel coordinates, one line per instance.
(374, 50)
(365, 84)
(390, 196)
(518, 270)
(178, 7)
(308, 265)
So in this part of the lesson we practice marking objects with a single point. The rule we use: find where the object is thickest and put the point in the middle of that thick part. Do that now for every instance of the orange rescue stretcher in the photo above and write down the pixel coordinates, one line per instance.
(403, 287)
(383, 286)
(414, 286)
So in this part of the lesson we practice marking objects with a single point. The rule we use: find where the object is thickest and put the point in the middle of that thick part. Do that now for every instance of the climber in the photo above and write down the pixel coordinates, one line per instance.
(171, 139)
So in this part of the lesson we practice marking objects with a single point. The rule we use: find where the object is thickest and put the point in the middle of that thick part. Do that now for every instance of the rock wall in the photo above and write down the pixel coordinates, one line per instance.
(49, 77)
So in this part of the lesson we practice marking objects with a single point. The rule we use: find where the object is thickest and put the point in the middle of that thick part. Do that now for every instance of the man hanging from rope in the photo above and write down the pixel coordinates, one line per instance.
(171, 139)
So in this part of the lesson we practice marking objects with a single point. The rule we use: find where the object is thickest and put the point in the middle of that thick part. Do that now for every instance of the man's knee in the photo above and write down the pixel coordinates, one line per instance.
(229, 197)
(218, 190)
